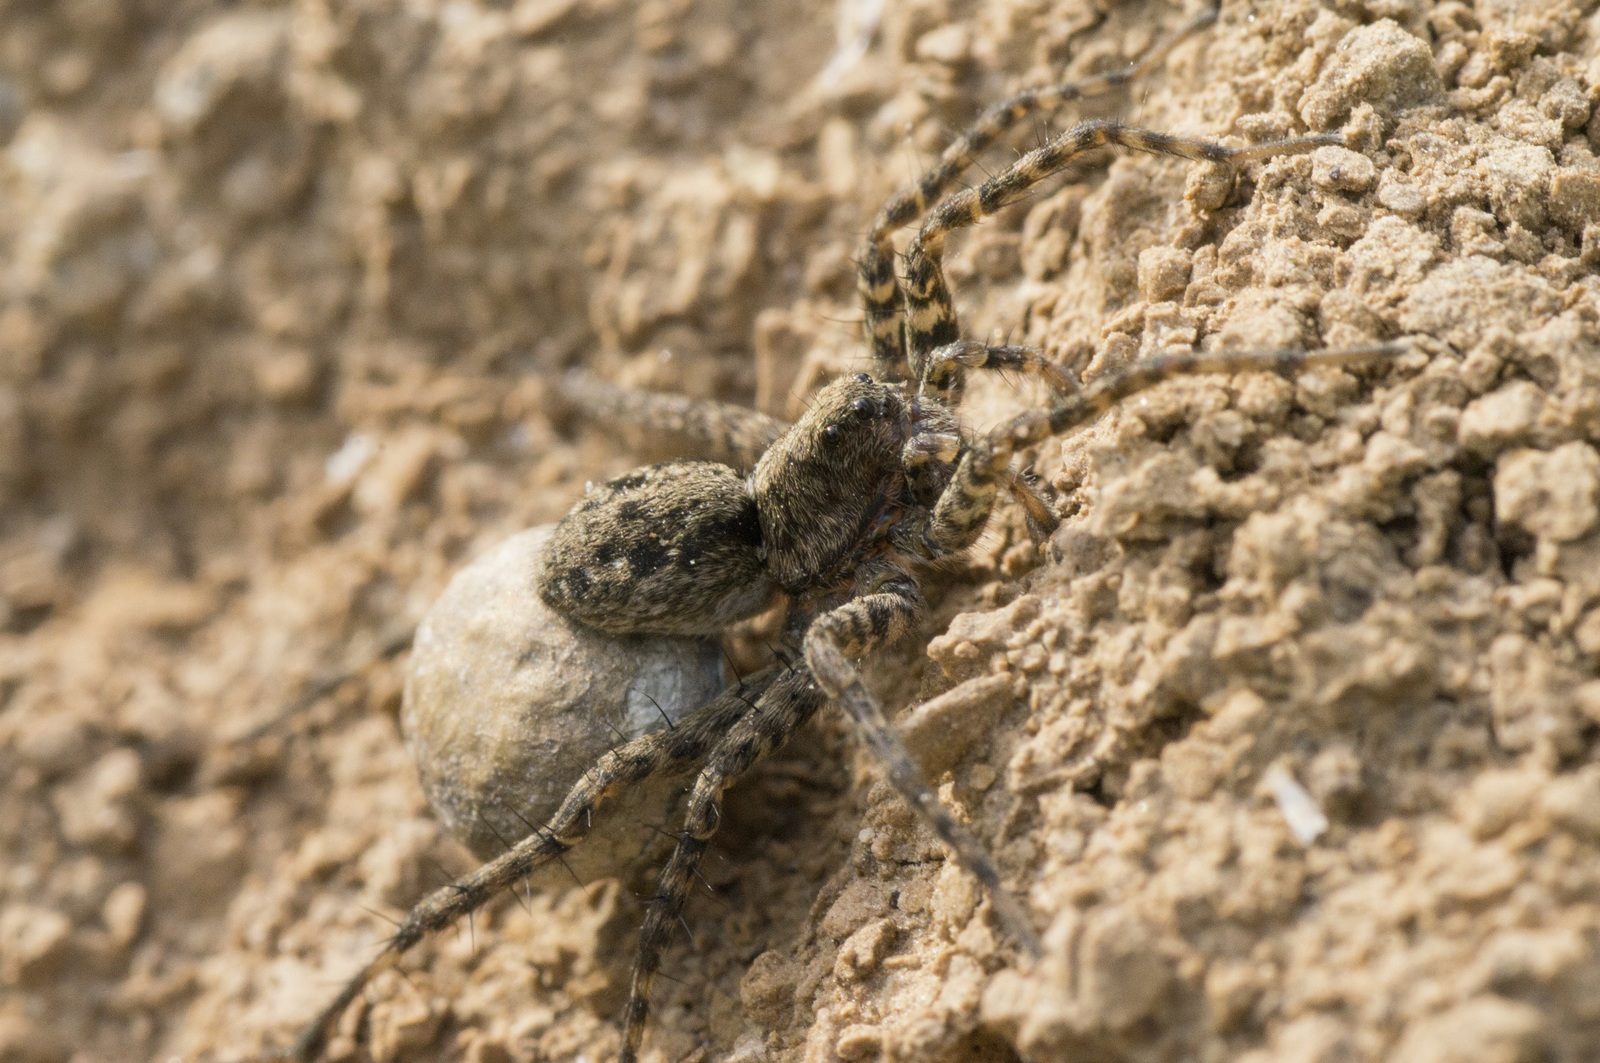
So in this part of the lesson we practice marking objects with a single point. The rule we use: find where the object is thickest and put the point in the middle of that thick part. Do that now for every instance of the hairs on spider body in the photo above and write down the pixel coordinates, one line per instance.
(837, 513)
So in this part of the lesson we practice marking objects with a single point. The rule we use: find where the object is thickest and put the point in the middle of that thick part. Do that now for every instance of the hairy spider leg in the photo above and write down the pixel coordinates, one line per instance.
(875, 273)
(790, 701)
(942, 446)
(888, 601)
(1038, 509)
(940, 357)
(945, 368)
(713, 431)
(673, 750)
(930, 312)
(961, 511)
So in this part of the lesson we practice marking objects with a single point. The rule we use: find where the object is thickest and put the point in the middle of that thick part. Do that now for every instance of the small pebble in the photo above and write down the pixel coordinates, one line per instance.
(1342, 170)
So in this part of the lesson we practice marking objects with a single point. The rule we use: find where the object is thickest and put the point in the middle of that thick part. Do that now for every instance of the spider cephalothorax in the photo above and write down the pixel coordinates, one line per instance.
(828, 489)
(837, 513)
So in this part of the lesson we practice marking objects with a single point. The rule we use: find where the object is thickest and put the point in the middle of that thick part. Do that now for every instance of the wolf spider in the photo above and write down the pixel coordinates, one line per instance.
(834, 514)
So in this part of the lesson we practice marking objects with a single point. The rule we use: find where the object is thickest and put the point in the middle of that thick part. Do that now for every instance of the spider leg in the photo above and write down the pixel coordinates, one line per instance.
(927, 449)
(888, 601)
(930, 313)
(876, 281)
(788, 702)
(961, 511)
(715, 431)
(943, 375)
(1037, 507)
(944, 372)
(670, 750)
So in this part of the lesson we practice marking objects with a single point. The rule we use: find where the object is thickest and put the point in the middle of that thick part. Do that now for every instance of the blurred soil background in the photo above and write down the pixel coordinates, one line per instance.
(1288, 738)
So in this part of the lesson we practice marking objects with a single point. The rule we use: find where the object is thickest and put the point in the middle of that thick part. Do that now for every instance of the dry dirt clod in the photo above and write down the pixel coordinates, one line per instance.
(1381, 65)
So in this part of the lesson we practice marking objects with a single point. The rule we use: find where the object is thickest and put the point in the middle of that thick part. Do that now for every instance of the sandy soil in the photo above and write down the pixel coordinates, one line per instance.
(279, 283)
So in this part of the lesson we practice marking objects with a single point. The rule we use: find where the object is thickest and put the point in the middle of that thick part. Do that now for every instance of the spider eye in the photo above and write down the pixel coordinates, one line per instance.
(861, 407)
(862, 378)
(830, 434)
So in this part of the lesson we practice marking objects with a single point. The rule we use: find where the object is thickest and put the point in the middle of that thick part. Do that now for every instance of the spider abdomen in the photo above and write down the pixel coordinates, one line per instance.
(669, 549)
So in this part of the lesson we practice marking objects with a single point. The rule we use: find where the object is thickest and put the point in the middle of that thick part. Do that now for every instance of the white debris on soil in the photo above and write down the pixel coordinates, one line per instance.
(1299, 808)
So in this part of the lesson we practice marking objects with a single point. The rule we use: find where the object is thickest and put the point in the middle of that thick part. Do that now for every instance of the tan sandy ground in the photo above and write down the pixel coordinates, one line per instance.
(278, 283)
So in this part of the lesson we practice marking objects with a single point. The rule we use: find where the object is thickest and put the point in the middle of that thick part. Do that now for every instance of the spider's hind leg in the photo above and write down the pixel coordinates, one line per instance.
(788, 701)
(712, 431)
(888, 603)
(676, 749)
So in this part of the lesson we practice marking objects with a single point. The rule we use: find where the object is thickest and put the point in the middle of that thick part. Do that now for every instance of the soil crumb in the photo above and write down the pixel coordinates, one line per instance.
(1287, 738)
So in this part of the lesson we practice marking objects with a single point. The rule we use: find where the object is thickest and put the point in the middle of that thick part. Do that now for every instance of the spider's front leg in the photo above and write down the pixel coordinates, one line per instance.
(788, 701)
(888, 601)
(877, 284)
(930, 312)
(943, 375)
(926, 458)
(943, 379)
(959, 515)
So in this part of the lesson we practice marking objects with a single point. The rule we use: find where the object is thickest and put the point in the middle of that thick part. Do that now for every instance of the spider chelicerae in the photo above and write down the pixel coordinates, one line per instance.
(835, 513)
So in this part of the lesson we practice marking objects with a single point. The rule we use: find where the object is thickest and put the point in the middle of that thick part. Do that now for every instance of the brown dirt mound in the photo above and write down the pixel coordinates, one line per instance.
(1288, 737)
